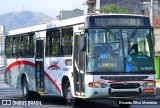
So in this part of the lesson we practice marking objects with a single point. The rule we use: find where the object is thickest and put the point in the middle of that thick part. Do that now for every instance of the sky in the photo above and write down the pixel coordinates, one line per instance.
(48, 7)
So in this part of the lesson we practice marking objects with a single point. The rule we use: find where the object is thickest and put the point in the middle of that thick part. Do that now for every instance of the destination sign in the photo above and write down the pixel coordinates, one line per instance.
(117, 21)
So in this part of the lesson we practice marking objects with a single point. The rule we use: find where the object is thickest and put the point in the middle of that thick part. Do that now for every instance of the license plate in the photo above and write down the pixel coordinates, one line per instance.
(148, 90)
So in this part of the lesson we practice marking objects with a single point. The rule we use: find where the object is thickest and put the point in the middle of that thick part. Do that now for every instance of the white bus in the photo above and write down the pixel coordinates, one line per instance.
(87, 57)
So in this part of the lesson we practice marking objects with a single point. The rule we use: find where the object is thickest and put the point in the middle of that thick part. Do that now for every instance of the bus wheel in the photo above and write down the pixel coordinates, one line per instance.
(26, 93)
(70, 100)
(125, 103)
(25, 90)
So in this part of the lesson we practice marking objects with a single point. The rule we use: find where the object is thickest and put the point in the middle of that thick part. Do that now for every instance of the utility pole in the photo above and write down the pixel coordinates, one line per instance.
(91, 6)
(1, 45)
(151, 12)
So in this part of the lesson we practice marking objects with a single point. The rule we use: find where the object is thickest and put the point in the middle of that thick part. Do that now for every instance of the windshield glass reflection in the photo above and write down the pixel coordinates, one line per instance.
(119, 50)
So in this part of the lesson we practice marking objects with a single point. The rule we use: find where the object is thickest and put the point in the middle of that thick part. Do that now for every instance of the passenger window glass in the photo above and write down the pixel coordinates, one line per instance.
(24, 46)
(67, 39)
(8, 48)
(53, 43)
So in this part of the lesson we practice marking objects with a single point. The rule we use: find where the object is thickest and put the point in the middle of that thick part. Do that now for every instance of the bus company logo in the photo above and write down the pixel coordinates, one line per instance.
(54, 66)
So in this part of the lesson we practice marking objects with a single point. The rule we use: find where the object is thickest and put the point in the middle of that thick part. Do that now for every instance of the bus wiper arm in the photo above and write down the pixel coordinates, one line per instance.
(134, 32)
(108, 29)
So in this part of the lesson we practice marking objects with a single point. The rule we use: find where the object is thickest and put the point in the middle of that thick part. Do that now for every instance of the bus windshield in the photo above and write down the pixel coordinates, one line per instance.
(119, 50)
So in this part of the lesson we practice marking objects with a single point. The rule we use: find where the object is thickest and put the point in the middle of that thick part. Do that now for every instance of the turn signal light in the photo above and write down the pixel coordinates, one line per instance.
(90, 85)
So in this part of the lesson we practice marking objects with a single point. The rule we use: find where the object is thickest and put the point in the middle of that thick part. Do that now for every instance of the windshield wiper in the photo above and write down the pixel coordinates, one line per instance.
(108, 29)
(134, 32)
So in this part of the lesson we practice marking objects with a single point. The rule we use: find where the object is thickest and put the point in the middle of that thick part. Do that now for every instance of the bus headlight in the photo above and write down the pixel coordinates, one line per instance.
(96, 85)
(150, 84)
(103, 85)
(144, 84)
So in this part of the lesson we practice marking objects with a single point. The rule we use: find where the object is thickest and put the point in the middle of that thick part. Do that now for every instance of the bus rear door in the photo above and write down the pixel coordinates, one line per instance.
(39, 61)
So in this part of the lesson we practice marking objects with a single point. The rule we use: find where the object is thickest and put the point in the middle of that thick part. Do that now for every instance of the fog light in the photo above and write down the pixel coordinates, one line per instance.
(95, 93)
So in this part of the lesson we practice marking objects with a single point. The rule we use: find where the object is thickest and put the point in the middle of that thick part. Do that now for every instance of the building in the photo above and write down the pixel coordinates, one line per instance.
(156, 24)
(65, 14)
(133, 6)
(123, 4)
(145, 7)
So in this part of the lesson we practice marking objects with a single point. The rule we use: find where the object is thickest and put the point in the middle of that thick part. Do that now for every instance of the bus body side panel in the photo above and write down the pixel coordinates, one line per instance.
(16, 67)
(88, 90)
(53, 74)
(55, 70)
(14, 70)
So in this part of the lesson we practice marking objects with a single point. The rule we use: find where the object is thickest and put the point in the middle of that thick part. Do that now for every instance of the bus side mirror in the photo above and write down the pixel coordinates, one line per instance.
(82, 43)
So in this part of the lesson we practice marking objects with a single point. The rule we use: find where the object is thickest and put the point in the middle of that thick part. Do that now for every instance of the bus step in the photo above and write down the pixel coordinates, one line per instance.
(40, 92)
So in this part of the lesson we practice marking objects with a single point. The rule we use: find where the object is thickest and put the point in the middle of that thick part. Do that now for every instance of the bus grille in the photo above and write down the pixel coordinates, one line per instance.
(125, 86)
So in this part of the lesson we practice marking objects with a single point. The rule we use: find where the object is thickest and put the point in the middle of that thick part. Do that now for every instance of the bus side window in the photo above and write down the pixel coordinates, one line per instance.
(47, 43)
(52, 43)
(8, 48)
(17, 46)
(67, 40)
(24, 45)
(31, 45)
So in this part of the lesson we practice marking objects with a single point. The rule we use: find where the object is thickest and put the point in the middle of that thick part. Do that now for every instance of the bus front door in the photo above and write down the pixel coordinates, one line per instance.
(39, 61)
(79, 67)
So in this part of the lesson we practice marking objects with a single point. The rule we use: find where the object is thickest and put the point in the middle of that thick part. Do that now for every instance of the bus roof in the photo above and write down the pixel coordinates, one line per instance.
(52, 24)
(62, 23)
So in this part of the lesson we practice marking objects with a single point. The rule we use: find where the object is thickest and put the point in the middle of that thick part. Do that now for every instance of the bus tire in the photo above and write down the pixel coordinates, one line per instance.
(27, 95)
(25, 90)
(70, 100)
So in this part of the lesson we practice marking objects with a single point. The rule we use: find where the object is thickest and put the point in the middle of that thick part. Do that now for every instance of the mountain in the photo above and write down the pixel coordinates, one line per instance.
(15, 20)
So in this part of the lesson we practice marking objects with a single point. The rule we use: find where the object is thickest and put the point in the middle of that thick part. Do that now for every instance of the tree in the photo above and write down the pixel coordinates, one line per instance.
(111, 8)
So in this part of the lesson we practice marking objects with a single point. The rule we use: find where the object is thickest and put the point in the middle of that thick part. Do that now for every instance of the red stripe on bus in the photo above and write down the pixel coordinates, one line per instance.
(131, 80)
(53, 82)
(33, 65)
(19, 63)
